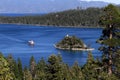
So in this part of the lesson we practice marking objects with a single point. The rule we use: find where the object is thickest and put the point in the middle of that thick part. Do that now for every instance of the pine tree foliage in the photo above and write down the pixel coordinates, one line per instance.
(13, 66)
(91, 68)
(32, 66)
(40, 70)
(27, 74)
(76, 72)
(5, 72)
(54, 68)
(110, 39)
(20, 69)
(117, 64)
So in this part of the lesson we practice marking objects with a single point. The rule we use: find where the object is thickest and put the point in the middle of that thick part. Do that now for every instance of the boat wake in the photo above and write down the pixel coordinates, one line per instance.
(12, 38)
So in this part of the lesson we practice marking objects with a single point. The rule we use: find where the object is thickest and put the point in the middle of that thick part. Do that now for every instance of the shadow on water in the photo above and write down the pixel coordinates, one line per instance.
(74, 56)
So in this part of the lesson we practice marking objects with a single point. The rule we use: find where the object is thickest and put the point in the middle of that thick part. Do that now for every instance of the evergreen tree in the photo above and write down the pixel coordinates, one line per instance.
(40, 70)
(117, 64)
(54, 68)
(10, 61)
(66, 72)
(32, 66)
(13, 66)
(16, 71)
(91, 68)
(20, 70)
(76, 72)
(5, 72)
(110, 39)
(27, 74)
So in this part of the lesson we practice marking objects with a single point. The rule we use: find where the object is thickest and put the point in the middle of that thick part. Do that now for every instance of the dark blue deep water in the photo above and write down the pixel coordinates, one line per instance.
(13, 40)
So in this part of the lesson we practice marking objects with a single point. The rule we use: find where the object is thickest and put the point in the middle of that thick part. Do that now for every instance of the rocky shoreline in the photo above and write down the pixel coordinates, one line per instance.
(75, 49)
(72, 43)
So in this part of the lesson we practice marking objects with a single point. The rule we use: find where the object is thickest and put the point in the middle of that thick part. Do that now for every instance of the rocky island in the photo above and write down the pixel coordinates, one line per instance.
(72, 43)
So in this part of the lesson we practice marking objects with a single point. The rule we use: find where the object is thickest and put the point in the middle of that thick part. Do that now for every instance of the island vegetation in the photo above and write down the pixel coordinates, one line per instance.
(72, 43)
(105, 68)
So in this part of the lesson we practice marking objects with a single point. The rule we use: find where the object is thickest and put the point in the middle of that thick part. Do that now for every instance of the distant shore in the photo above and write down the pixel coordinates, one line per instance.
(54, 25)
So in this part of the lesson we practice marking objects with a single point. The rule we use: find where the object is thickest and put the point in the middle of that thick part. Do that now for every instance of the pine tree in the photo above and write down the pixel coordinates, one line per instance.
(66, 72)
(40, 70)
(27, 74)
(20, 70)
(117, 64)
(13, 66)
(110, 39)
(10, 61)
(32, 66)
(91, 68)
(76, 72)
(5, 72)
(16, 71)
(54, 68)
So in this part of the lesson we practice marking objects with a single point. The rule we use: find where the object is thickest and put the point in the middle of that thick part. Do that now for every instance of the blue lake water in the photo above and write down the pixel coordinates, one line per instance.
(13, 40)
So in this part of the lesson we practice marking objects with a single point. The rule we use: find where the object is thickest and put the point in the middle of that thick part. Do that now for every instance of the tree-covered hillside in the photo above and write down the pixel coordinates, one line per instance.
(76, 17)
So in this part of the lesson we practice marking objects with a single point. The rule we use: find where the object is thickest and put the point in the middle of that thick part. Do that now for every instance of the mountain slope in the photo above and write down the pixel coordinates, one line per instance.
(45, 6)
(82, 17)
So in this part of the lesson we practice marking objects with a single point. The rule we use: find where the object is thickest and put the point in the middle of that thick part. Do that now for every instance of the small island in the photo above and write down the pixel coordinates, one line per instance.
(72, 43)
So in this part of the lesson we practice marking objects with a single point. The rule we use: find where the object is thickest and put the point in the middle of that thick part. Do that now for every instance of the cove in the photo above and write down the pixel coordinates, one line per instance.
(14, 40)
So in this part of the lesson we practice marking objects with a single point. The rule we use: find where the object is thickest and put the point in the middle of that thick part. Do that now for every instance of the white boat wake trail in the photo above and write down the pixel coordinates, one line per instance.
(12, 38)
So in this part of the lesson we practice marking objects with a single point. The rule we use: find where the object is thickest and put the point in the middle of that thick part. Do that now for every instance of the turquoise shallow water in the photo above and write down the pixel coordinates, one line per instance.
(13, 40)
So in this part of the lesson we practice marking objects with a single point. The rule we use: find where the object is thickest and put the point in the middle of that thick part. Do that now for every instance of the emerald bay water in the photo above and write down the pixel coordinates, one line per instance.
(14, 40)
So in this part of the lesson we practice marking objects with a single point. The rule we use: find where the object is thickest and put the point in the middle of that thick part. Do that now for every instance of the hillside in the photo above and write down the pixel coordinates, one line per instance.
(75, 17)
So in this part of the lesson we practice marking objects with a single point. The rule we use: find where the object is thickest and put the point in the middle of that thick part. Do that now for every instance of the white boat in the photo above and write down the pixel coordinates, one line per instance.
(31, 42)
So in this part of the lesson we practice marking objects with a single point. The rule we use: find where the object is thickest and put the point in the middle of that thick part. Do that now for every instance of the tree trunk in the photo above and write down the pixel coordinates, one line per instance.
(109, 70)
(110, 55)
(110, 35)
(110, 65)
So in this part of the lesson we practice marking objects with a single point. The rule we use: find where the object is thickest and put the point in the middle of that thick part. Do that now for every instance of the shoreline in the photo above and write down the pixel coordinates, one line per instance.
(37, 25)
(75, 49)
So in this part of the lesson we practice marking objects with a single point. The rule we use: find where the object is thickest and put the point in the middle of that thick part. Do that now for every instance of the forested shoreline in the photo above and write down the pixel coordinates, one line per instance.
(105, 68)
(70, 18)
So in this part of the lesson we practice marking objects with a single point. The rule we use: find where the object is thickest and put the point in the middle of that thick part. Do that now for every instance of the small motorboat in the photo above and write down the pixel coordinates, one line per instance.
(31, 42)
